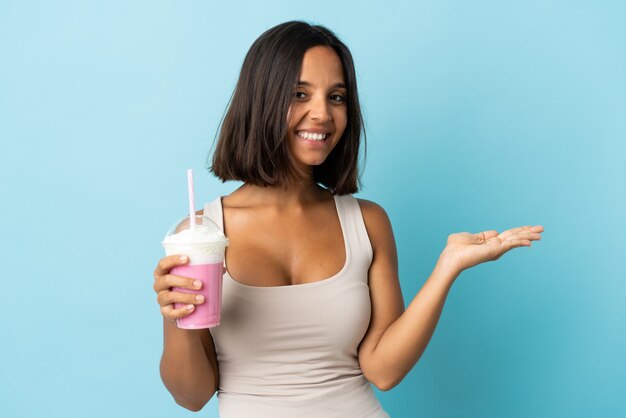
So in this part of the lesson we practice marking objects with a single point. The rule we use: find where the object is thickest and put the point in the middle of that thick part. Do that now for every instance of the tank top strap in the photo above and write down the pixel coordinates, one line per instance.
(355, 233)
(213, 210)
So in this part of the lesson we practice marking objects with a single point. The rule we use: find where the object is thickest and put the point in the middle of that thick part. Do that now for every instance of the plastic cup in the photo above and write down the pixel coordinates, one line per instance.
(204, 244)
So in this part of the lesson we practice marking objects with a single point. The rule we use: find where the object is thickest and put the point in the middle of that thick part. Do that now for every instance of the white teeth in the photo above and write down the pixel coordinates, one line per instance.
(311, 136)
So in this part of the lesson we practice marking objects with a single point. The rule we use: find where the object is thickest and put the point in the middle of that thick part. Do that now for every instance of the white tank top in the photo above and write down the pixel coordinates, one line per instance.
(291, 351)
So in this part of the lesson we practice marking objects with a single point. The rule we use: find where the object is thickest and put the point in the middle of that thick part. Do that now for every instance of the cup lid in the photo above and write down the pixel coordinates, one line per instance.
(205, 231)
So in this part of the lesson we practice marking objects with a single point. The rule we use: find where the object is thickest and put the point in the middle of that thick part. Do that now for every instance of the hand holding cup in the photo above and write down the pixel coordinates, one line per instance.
(165, 281)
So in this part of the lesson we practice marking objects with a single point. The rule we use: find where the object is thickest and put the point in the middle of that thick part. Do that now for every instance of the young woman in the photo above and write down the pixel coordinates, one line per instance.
(312, 307)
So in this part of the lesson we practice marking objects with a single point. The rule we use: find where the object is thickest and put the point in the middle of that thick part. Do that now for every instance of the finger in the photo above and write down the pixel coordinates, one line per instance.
(507, 246)
(515, 243)
(171, 280)
(489, 234)
(533, 229)
(506, 234)
(169, 262)
(169, 312)
(167, 297)
(482, 237)
(533, 236)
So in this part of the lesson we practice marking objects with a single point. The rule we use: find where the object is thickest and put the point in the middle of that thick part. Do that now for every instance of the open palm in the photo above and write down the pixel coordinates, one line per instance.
(467, 250)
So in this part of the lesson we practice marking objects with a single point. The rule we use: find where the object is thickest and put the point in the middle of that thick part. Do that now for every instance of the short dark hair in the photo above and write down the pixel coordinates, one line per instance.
(252, 145)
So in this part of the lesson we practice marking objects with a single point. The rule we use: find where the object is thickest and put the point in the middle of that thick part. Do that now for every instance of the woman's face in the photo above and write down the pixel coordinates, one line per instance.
(318, 112)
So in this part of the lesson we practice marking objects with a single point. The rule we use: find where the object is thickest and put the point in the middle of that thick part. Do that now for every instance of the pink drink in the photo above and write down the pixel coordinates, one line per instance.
(206, 314)
(204, 243)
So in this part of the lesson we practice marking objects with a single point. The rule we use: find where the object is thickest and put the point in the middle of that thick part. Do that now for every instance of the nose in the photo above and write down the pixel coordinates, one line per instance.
(320, 110)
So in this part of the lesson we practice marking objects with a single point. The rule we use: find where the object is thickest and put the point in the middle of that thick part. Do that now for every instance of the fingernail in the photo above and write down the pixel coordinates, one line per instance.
(197, 284)
(200, 298)
(183, 258)
(190, 307)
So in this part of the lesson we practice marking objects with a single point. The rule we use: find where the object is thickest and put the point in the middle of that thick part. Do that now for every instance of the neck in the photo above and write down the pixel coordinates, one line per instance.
(293, 195)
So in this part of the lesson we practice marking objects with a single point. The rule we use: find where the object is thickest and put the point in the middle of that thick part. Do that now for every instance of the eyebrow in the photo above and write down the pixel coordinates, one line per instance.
(334, 86)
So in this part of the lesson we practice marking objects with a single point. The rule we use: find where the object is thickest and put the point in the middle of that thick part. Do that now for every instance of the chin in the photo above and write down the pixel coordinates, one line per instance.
(314, 161)
(306, 165)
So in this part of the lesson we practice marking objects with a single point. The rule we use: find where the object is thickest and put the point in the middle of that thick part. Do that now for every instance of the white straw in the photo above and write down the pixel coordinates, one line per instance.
(192, 206)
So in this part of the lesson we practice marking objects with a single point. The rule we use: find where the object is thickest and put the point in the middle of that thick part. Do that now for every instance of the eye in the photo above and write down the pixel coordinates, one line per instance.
(299, 95)
(337, 98)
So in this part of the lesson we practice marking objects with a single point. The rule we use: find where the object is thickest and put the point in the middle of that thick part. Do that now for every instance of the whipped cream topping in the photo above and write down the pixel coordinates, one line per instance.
(200, 235)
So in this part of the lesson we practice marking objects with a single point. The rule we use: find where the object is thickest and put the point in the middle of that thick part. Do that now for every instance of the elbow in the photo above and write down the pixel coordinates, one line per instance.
(194, 405)
(190, 397)
(385, 385)
(382, 374)
(193, 402)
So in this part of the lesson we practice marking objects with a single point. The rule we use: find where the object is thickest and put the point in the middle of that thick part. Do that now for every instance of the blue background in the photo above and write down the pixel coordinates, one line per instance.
(480, 115)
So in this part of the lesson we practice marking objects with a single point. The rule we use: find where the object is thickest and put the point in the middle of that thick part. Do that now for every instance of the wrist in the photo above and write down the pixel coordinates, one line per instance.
(448, 265)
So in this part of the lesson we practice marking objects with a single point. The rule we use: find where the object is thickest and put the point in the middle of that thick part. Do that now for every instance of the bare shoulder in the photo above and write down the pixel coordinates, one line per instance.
(372, 212)
(369, 205)
(376, 221)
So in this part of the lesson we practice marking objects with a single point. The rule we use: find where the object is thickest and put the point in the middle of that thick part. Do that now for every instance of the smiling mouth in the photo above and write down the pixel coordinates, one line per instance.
(312, 136)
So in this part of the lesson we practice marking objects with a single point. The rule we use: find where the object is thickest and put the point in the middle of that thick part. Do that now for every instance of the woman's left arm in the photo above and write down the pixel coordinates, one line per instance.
(396, 338)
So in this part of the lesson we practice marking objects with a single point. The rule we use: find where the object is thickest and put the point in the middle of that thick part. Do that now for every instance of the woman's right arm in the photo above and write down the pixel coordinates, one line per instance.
(188, 365)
